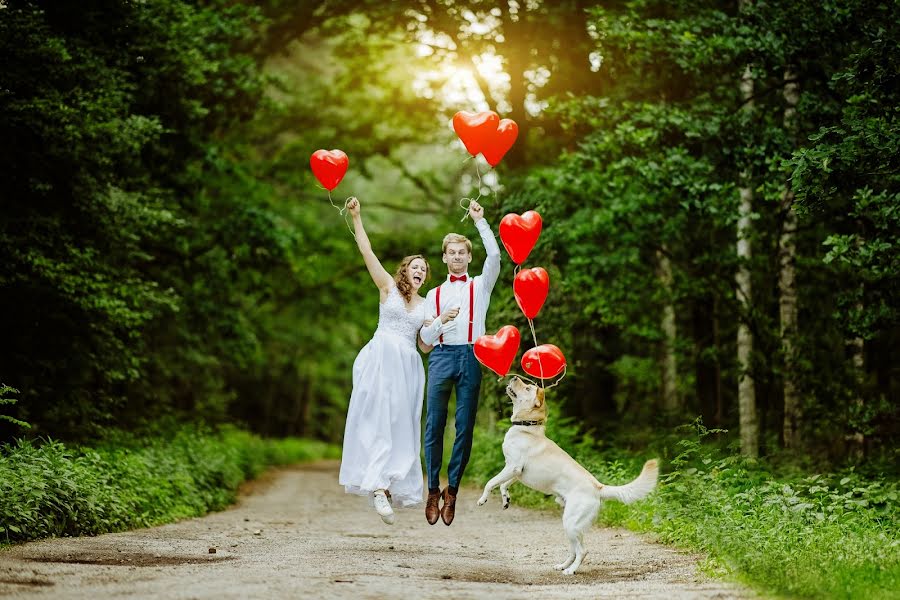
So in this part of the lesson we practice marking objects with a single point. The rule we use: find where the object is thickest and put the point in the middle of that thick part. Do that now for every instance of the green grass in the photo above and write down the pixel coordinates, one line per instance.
(815, 535)
(50, 489)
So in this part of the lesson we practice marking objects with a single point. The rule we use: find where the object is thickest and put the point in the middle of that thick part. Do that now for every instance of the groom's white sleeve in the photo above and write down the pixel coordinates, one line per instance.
(491, 270)
(432, 333)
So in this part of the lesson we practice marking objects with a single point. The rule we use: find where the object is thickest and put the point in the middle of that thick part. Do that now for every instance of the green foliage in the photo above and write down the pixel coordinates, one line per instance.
(655, 176)
(122, 278)
(52, 489)
(816, 535)
(4, 390)
(165, 251)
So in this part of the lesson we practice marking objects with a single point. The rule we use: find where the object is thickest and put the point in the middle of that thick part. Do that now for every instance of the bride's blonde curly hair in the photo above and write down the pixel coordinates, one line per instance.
(404, 285)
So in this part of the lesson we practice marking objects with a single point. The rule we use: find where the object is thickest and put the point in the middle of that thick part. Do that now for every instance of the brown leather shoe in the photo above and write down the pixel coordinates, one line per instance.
(449, 509)
(432, 510)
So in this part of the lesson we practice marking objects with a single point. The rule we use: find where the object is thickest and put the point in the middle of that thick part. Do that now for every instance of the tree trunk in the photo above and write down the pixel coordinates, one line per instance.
(717, 372)
(707, 373)
(857, 439)
(749, 420)
(787, 282)
(669, 391)
(515, 157)
(595, 388)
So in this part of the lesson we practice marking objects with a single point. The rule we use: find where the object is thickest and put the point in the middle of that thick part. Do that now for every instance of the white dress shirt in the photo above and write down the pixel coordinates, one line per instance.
(456, 295)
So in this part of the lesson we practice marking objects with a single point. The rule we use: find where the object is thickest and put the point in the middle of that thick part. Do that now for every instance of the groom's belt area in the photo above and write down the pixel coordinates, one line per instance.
(471, 307)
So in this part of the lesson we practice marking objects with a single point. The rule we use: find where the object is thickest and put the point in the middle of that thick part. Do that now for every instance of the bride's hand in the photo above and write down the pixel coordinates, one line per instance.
(428, 322)
(353, 206)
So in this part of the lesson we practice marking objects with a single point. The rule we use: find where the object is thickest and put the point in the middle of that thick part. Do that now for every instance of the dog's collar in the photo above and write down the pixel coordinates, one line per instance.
(527, 423)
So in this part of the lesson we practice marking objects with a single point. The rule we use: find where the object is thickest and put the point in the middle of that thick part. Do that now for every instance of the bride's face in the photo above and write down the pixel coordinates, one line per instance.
(416, 272)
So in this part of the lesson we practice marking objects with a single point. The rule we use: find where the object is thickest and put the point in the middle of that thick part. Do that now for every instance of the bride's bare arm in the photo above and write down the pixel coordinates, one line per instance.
(381, 277)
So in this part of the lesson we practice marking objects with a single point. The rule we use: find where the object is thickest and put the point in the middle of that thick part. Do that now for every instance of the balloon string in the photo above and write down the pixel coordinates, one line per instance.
(343, 212)
(339, 209)
(541, 367)
(532, 381)
(516, 272)
(468, 201)
(555, 383)
(533, 336)
(497, 191)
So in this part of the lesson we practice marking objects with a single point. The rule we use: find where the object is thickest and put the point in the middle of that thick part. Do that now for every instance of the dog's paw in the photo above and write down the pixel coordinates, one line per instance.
(482, 500)
(561, 566)
(569, 571)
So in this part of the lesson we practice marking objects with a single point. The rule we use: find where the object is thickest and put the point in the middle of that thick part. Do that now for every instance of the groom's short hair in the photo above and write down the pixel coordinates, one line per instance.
(455, 238)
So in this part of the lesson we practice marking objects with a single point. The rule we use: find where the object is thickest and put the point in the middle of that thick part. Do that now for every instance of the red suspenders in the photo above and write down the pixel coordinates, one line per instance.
(471, 306)
(437, 302)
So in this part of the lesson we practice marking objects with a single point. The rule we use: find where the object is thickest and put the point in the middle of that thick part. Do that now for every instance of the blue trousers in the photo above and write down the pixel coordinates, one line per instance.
(450, 366)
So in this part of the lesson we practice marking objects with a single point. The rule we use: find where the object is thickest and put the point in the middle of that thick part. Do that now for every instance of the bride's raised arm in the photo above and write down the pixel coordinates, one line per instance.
(381, 277)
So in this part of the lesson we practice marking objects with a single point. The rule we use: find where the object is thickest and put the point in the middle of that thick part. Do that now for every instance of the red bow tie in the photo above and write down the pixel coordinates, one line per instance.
(457, 278)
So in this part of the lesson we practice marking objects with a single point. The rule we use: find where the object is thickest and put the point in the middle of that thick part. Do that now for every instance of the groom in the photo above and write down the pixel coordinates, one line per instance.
(464, 300)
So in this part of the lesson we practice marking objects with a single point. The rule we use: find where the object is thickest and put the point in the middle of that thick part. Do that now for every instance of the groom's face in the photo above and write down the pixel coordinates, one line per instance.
(457, 257)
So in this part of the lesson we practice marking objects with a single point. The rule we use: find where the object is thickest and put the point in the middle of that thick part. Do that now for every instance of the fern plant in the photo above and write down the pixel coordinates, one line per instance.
(4, 390)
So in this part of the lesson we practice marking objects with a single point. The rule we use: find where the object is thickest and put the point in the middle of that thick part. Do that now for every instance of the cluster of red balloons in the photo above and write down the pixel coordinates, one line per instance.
(519, 233)
(483, 132)
(487, 133)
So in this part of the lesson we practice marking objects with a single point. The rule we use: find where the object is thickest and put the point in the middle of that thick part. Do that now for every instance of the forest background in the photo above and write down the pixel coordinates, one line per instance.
(718, 182)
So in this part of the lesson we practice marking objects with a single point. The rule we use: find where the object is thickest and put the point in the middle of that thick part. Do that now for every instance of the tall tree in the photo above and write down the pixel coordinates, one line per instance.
(669, 387)
(787, 280)
(749, 420)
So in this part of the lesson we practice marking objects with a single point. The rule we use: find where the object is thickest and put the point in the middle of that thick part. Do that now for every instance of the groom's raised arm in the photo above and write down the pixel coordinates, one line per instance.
(491, 269)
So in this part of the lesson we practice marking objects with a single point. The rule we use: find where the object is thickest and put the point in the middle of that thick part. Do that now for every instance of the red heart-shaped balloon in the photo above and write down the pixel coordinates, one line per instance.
(530, 288)
(329, 167)
(519, 234)
(475, 129)
(500, 142)
(497, 352)
(544, 361)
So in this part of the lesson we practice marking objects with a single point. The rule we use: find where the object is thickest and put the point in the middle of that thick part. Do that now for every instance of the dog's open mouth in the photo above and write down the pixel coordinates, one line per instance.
(510, 392)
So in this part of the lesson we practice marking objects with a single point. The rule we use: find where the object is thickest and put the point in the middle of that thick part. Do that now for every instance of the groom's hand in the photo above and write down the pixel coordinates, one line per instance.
(449, 314)
(476, 212)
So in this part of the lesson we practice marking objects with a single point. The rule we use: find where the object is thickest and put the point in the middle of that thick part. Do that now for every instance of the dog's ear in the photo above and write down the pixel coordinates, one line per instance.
(538, 397)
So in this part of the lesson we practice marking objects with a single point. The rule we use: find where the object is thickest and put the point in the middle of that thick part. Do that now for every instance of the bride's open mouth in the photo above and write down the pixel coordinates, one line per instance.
(417, 280)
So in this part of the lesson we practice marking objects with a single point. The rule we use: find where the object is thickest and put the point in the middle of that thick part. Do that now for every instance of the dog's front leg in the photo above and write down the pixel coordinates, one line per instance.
(508, 473)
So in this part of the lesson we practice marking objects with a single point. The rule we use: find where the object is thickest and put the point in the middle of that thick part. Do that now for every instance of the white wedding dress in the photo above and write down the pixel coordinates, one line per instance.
(382, 438)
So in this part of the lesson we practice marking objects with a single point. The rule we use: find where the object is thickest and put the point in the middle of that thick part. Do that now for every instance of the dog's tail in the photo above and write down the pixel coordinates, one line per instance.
(636, 490)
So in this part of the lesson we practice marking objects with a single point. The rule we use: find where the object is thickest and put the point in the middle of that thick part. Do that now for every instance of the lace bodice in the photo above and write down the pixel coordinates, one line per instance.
(393, 318)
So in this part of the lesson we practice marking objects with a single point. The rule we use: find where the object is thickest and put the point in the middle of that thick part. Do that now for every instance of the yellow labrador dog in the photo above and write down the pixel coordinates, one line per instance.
(536, 461)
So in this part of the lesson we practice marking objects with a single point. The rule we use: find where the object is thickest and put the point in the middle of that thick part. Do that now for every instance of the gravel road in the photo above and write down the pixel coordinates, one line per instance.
(295, 534)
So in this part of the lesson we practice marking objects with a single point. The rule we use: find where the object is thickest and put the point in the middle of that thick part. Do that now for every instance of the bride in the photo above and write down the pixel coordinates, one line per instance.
(381, 451)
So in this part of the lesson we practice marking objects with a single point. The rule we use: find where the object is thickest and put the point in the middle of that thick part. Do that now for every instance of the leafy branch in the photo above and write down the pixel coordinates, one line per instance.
(4, 390)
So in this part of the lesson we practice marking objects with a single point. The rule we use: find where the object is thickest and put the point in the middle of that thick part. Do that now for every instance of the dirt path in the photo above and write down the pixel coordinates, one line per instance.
(295, 534)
